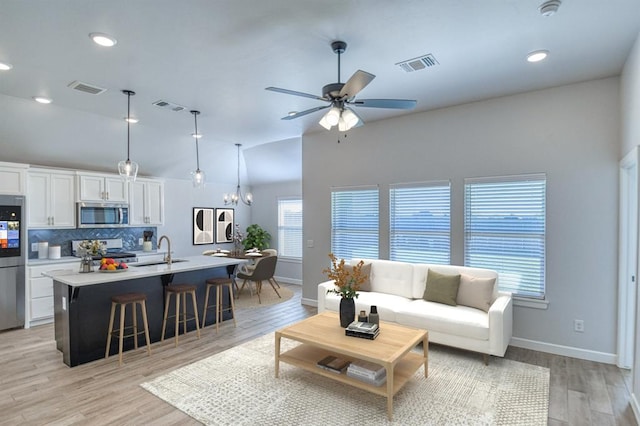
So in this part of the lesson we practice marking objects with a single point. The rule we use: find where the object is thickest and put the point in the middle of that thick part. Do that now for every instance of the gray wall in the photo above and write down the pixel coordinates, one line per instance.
(571, 133)
(180, 197)
(630, 94)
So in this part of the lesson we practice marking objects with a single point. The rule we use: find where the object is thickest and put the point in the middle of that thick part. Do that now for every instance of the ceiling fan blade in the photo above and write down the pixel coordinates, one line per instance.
(356, 83)
(385, 103)
(293, 92)
(305, 112)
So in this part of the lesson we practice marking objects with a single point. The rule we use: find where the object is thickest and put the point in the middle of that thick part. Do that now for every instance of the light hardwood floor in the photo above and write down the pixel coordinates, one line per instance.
(36, 388)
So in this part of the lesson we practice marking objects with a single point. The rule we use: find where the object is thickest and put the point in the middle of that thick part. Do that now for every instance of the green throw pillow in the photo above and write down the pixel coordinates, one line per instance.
(441, 288)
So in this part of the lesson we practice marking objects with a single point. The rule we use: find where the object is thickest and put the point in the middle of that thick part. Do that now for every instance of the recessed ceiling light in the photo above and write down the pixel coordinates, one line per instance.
(132, 120)
(103, 39)
(42, 99)
(5, 67)
(292, 113)
(537, 55)
(196, 135)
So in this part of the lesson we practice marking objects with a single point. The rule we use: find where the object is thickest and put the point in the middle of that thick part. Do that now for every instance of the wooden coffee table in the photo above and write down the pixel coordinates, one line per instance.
(321, 335)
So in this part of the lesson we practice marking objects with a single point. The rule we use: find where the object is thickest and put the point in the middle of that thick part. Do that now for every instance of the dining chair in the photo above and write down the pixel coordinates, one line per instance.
(263, 271)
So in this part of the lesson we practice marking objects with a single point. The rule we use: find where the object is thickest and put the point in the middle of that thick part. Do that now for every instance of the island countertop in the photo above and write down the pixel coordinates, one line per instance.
(183, 264)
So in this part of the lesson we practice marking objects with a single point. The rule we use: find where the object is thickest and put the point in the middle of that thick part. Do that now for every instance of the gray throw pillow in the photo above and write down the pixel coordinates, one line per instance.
(476, 292)
(441, 288)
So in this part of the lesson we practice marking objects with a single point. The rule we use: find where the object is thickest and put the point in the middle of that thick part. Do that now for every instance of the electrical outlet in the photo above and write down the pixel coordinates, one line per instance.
(310, 243)
(34, 246)
(578, 326)
(140, 241)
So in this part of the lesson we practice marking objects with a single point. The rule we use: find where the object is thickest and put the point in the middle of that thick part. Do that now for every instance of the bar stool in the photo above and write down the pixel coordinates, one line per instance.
(180, 290)
(121, 301)
(219, 284)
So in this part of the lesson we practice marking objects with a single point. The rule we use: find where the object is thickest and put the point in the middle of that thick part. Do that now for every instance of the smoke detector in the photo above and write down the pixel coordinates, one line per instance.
(549, 7)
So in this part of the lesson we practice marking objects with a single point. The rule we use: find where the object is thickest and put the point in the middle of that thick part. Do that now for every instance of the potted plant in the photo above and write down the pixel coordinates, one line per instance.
(256, 238)
(348, 280)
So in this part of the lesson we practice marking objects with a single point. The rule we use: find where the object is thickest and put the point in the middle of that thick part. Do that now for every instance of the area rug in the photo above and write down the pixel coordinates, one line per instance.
(238, 387)
(267, 297)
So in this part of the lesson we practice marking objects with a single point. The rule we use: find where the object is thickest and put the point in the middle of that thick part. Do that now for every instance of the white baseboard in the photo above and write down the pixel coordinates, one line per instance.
(288, 280)
(635, 407)
(309, 302)
(565, 350)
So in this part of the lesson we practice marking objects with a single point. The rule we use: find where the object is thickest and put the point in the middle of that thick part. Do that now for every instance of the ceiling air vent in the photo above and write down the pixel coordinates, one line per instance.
(86, 88)
(169, 105)
(419, 63)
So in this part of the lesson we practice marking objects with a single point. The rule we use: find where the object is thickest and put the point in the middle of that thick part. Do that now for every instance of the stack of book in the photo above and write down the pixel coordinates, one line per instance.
(367, 372)
(333, 364)
(366, 330)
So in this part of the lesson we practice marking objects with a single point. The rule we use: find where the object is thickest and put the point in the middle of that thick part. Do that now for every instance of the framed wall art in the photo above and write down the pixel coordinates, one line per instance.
(202, 225)
(224, 226)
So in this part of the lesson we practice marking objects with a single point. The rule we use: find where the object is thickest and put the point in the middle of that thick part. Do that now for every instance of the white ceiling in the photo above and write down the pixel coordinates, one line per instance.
(218, 56)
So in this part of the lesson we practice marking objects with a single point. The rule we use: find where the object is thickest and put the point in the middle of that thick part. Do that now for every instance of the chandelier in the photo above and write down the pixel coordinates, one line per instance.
(237, 196)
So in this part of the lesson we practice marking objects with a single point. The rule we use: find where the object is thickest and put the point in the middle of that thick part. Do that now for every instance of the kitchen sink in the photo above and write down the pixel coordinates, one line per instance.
(162, 262)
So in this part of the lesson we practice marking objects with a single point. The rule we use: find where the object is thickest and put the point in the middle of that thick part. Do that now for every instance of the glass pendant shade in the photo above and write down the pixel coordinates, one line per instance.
(236, 197)
(128, 169)
(198, 178)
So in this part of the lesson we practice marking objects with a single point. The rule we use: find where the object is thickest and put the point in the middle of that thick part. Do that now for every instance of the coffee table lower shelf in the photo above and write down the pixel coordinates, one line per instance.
(306, 356)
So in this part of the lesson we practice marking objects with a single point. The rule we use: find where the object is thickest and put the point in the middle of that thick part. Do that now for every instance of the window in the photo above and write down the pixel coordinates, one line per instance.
(420, 222)
(505, 230)
(354, 223)
(290, 228)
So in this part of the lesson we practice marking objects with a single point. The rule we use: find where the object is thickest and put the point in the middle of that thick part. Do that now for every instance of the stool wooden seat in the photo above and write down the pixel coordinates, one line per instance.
(180, 290)
(121, 301)
(219, 284)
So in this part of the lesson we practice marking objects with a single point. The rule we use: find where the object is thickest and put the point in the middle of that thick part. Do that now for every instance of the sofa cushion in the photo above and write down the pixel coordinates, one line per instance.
(475, 292)
(455, 320)
(441, 288)
(388, 305)
(390, 277)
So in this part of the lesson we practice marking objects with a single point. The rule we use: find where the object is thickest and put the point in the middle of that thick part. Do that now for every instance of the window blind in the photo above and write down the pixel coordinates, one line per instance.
(355, 223)
(420, 223)
(290, 228)
(505, 221)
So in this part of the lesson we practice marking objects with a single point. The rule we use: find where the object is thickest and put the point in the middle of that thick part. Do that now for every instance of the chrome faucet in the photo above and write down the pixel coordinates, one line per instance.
(167, 257)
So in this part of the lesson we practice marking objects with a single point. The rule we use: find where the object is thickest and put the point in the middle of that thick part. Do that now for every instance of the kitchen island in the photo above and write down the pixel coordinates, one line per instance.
(82, 301)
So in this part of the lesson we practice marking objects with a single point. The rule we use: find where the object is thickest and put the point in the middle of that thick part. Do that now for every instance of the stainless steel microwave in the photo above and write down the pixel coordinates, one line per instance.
(102, 215)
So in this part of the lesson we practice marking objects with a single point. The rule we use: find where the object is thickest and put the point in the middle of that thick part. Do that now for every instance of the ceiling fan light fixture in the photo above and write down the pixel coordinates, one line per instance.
(333, 116)
(350, 118)
(127, 169)
(324, 123)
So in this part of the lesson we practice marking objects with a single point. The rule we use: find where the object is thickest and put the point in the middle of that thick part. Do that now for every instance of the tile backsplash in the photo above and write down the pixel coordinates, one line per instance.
(63, 237)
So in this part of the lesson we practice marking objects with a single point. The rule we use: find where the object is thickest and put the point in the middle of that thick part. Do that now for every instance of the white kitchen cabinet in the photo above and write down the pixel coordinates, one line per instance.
(146, 202)
(39, 292)
(100, 188)
(51, 199)
(13, 178)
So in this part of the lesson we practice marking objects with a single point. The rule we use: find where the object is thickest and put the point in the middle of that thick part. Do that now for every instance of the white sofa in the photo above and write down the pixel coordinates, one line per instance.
(397, 289)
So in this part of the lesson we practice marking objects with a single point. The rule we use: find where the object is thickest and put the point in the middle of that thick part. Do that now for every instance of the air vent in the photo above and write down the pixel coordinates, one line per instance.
(169, 105)
(86, 88)
(419, 63)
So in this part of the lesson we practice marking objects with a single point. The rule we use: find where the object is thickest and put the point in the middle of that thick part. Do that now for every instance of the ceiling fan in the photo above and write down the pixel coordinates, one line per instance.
(341, 96)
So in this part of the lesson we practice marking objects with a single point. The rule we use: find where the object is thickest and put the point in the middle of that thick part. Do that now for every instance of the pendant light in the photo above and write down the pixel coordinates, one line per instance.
(237, 196)
(198, 175)
(128, 169)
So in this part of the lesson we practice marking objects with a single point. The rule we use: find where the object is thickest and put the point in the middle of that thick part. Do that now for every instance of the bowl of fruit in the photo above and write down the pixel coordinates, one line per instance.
(108, 264)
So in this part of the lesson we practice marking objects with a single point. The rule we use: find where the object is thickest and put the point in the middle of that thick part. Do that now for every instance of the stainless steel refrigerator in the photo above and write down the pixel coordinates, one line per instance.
(13, 242)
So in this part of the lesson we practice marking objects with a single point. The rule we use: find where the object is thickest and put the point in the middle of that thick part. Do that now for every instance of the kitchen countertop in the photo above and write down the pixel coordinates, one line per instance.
(63, 259)
(191, 263)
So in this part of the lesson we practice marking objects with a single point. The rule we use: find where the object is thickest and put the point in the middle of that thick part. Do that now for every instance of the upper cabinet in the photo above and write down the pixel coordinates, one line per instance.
(13, 178)
(100, 188)
(146, 203)
(51, 199)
